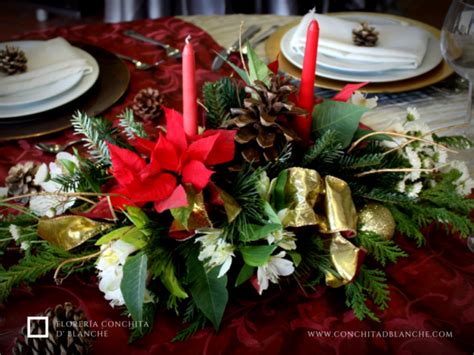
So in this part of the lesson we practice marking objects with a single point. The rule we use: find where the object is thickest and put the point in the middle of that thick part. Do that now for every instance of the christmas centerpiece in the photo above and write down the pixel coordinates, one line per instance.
(275, 188)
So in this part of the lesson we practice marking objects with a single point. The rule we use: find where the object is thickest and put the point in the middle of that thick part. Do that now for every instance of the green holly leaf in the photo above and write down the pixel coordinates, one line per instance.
(257, 255)
(278, 194)
(208, 291)
(137, 217)
(133, 284)
(341, 117)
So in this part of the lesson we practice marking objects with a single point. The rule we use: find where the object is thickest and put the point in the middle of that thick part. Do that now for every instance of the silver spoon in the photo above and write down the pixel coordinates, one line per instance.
(139, 64)
(54, 147)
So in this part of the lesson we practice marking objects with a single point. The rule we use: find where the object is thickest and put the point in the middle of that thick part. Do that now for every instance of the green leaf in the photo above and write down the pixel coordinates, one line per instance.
(208, 291)
(134, 237)
(338, 116)
(133, 284)
(256, 232)
(278, 194)
(182, 214)
(257, 255)
(239, 71)
(296, 257)
(166, 272)
(137, 217)
(115, 234)
(245, 273)
(258, 70)
(272, 216)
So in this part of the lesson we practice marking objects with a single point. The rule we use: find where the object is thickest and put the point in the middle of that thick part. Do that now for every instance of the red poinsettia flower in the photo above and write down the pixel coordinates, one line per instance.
(175, 161)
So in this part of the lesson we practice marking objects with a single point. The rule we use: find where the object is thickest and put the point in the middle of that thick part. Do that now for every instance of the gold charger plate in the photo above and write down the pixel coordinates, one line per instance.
(110, 86)
(440, 72)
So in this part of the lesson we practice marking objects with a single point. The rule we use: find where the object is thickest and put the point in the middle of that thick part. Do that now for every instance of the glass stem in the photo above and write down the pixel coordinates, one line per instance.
(470, 109)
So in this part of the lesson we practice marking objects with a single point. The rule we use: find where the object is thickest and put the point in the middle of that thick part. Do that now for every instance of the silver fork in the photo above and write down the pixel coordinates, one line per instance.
(138, 63)
(171, 52)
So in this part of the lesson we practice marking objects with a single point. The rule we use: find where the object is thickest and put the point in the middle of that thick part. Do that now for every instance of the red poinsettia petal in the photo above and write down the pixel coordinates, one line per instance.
(125, 164)
(196, 173)
(224, 148)
(163, 157)
(155, 188)
(201, 147)
(143, 146)
(347, 91)
(178, 198)
(174, 129)
(273, 66)
(120, 198)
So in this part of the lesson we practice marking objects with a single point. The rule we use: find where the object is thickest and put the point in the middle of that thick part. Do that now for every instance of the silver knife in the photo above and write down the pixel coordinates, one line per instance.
(219, 59)
(171, 52)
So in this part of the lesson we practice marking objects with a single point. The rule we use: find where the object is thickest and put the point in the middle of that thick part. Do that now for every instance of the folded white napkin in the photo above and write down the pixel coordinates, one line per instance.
(48, 62)
(404, 46)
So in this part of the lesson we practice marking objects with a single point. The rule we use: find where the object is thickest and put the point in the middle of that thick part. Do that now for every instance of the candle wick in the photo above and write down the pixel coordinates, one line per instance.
(188, 39)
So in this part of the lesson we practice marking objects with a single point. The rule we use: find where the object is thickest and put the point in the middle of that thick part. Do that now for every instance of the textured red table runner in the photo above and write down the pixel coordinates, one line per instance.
(431, 290)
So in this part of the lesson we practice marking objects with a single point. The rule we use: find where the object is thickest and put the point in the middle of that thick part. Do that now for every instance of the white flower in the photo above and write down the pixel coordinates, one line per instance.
(285, 239)
(412, 114)
(110, 265)
(3, 191)
(415, 189)
(25, 245)
(215, 251)
(14, 231)
(401, 186)
(464, 184)
(359, 99)
(276, 266)
(52, 205)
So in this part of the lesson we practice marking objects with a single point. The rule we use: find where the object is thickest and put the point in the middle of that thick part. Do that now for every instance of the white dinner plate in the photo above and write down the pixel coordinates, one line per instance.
(331, 70)
(72, 91)
(44, 92)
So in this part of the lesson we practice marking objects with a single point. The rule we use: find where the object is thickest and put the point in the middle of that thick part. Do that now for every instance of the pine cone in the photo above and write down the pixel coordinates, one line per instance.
(12, 60)
(67, 329)
(20, 179)
(263, 123)
(365, 35)
(147, 104)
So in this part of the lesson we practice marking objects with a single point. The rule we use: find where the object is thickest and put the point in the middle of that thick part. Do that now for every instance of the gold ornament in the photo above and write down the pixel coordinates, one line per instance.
(68, 232)
(376, 218)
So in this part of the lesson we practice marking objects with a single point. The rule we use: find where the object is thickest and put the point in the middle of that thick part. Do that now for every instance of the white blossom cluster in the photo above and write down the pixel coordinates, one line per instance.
(424, 155)
(215, 251)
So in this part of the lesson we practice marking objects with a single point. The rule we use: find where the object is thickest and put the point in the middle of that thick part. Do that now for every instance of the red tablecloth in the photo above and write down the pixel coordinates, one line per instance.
(431, 290)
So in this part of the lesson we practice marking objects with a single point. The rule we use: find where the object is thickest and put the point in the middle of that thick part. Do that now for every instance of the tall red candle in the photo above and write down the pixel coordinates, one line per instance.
(306, 97)
(190, 108)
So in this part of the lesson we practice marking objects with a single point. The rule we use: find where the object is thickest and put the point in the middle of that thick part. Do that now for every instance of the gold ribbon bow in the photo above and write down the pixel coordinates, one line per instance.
(326, 203)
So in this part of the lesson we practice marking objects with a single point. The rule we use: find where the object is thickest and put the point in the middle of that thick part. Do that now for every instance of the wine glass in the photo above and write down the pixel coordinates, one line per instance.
(457, 47)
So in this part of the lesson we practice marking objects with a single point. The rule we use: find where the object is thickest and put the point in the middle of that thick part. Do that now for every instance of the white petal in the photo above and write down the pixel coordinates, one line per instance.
(225, 267)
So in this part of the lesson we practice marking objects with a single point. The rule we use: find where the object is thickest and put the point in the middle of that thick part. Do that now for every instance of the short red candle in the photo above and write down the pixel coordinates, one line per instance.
(306, 97)
(190, 108)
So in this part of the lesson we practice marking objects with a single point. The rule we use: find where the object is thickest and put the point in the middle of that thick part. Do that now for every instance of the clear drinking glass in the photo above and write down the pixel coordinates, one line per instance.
(457, 47)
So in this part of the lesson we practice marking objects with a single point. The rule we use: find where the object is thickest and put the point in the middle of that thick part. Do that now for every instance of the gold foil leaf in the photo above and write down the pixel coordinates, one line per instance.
(231, 207)
(340, 210)
(68, 232)
(345, 258)
(302, 190)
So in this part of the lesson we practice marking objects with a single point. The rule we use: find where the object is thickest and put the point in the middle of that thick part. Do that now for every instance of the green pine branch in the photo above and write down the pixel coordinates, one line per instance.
(29, 269)
(406, 225)
(352, 162)
(381, 249)
(457, 142)
(370, 283)
(95, 131)
(383, 195)
(326, 149)
(219, 98)
(424, 215)
(131, 127)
